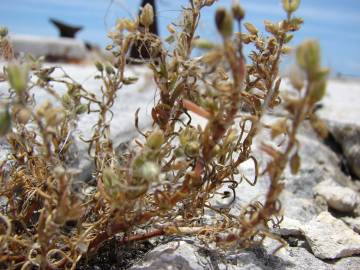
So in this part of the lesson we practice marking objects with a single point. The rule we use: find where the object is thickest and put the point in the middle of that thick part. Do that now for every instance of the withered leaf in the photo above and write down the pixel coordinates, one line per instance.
(295, 163)
(279, 127)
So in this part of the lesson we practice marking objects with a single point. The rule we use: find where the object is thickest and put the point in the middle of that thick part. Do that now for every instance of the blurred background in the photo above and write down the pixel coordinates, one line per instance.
(335, 23)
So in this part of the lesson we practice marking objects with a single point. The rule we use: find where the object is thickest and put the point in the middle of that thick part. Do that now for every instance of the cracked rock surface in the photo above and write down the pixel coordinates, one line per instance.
(331, 238)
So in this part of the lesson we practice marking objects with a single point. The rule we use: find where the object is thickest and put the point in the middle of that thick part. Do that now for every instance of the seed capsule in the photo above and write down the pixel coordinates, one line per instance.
(290, 5)
(18, 77)
(150, 171)
(3, 32)
(224, 22)
(297, 80)
(155, 139)
(317, 91)
(237, 11)
(109, 70)
(308, 56)
(99, 66)
(192, 149)
(147, 15)
(23, 115)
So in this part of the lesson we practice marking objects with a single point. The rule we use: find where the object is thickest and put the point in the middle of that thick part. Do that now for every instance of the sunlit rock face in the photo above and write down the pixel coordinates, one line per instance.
(54, 48)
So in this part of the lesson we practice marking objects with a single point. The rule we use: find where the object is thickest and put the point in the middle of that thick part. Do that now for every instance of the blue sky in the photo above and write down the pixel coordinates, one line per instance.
(336, 24)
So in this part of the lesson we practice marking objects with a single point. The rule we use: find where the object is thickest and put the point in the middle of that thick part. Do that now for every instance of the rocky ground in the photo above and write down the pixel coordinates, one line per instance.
(321, 204)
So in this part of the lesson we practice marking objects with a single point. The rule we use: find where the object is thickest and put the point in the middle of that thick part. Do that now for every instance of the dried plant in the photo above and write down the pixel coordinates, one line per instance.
(165, 183)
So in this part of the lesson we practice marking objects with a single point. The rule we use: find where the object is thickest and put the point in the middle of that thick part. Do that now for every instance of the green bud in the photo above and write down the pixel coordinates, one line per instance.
(149, 171)
(224, 22)
(109, 70)
(18, 77)
(5, 120)
(179, 152)
(3, 31)
(192, 149)
(203, 44)
(297, 79)
(320, 74)
(145, 169)
(170, 39)
(99, 66)
(66, 101)
(317, 90)
(147, 15)
(290, 5)
(187, 135)
(110, 180)
(288, 38)
(80, 109)
(216, 150)
(286, 50)
(130, 80)
(237, 11)
(308, 56)
(155, 139)
(109, 47)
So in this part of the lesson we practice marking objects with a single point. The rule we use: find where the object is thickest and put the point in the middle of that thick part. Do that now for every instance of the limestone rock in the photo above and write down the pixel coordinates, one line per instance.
(300, 209)
(190, 255)
(348, 136)
(289, 226)
(330, 238)
(339, 198)
(318, 163)
(298, 258)
(341, 102)
(56, 48)
(349, 263)
(353, 223)
(171, 256)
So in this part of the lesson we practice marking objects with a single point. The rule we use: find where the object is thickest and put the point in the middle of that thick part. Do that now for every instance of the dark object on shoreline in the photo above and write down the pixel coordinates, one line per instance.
(66, 30)
(139, 49)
